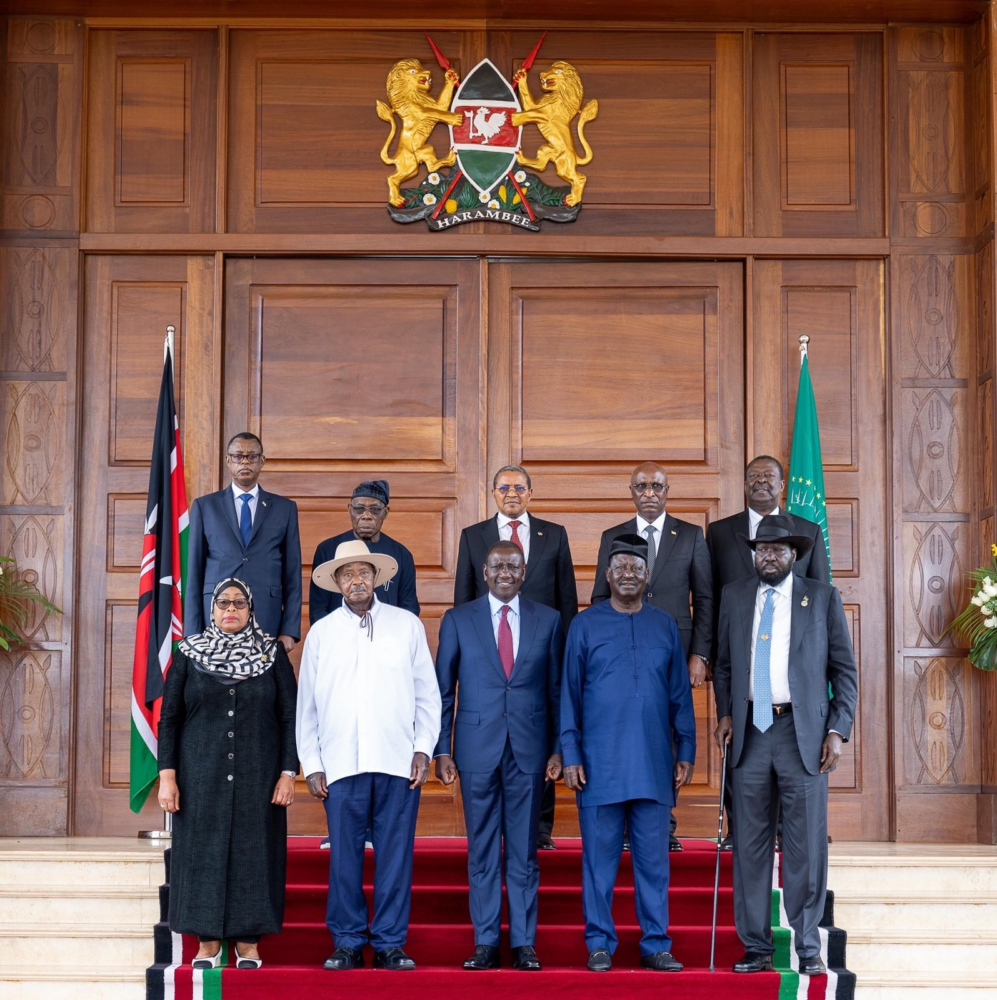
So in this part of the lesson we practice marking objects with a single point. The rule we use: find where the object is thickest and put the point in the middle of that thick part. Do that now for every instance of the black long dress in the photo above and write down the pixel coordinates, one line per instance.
(228, 744)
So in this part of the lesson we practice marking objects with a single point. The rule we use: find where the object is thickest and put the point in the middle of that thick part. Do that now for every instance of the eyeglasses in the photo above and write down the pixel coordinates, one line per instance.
(656, 488)
(250, 458)
(374, 509)
(240, 604)
(505, 489)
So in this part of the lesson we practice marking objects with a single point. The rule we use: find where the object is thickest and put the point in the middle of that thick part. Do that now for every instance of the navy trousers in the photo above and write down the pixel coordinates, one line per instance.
(502, 805)
(394, 807)
(602, 844)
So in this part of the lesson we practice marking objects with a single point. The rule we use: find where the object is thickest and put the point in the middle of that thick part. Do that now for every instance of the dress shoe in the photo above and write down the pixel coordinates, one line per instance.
(599, 960)
(661, 961)
(545, 843)
(210, 962)
(752, 962)
(626, 842)
(813, 966)
(485, 956)
(674, 844)
(344, 958)
(244, 962)
(727, 844)
(525, 959)
(394, 959)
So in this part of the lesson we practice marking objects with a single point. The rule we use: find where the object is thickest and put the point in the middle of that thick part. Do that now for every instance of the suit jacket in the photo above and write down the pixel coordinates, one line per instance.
(732, 560)
(270, 564)
(681, 569)
(550, 576)
(525, 708)
(820, 652)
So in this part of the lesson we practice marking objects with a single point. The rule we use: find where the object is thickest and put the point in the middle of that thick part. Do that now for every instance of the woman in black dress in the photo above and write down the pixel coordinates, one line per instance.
(227, 764)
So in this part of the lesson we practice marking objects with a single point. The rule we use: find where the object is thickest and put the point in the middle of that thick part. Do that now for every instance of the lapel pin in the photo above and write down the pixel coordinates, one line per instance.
(805, 601)
(539, 533)
(674, 532)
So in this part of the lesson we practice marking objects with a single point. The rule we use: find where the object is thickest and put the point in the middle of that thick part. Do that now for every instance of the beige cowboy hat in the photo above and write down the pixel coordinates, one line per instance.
(324, 575)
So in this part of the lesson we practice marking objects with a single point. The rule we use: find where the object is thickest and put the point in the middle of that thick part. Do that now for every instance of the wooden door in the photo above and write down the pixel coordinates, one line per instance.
(364, 369)
(595, 367)
(839, 305)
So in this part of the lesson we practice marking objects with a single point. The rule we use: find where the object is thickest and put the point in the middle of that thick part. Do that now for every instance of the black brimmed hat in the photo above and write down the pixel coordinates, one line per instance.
(779, 528)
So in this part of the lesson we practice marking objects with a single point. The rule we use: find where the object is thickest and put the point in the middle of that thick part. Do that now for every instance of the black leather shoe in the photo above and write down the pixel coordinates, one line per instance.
(661, 961)
(674, 844)
(525, 959)
(545, 843)
(394, 959)
(626, 842)
(751, 962)
(599, 960)
(727, 844)
(486, 956)
(813, 966)
(344, 958)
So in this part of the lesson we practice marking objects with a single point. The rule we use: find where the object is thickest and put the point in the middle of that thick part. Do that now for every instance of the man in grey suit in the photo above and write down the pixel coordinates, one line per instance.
(782, 640)
(246, 532)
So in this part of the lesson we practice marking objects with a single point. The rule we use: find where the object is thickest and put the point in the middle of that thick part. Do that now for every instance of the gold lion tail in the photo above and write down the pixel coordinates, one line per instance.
(588, 113)
(385, 113)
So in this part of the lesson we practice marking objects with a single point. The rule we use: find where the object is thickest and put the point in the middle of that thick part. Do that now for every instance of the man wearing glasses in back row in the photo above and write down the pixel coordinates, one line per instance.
(246, 532)
(368, 509)
(678, 573)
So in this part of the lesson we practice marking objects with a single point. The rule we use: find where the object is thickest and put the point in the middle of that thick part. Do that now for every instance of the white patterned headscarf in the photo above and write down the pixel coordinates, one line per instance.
(231, 657)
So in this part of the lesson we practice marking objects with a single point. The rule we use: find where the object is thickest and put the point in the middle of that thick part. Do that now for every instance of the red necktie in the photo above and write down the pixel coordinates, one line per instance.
(505, 641)
(516, 540)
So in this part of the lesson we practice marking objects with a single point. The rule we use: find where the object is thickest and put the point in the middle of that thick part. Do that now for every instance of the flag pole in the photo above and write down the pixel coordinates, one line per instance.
(167, 831)
(804, 340)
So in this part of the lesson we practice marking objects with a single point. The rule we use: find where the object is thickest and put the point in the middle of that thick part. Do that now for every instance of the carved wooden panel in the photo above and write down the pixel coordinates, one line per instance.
(985, 442)
(985, 306)
(936, 556)
(936, 301)
(43, 71)
(33, 416)
(980, 123)
(839, 305)
(37, 543)
(34, 713)
(119, 645)
(151, 131)
(933, 450)
(818, 134)
(125, 532)
(941, 746)
(933, 186)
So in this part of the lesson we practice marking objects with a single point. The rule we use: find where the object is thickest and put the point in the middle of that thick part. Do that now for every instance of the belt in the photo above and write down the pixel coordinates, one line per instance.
(784, 709)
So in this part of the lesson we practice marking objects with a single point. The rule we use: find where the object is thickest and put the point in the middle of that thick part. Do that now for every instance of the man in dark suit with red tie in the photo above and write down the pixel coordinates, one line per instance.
(500, 657)
(550, 575)
(678, 572)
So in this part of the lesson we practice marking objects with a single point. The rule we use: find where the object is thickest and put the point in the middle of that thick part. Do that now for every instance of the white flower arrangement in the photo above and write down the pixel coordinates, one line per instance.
(979, 631)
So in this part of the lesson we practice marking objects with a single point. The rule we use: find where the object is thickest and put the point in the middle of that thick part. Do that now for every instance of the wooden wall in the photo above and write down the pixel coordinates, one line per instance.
(749, 185)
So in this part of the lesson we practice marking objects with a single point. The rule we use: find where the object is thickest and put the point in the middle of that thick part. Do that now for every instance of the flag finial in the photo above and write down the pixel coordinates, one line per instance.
(168, 344)
(804, 340)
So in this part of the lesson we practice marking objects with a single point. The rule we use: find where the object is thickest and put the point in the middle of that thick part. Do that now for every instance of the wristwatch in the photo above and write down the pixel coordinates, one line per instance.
(290, 774)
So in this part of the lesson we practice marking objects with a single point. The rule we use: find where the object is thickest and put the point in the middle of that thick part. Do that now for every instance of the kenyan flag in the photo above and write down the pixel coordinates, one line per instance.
(160, 600)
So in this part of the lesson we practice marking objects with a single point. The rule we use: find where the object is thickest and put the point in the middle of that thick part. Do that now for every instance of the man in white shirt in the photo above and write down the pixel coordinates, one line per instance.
(368, 719)
(783, 735)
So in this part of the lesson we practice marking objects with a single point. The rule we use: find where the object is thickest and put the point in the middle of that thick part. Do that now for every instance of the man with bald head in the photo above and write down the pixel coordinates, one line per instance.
(679, 573)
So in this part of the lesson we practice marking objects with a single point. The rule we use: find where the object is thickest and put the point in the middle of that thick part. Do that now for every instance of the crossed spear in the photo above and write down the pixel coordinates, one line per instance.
(520, 73)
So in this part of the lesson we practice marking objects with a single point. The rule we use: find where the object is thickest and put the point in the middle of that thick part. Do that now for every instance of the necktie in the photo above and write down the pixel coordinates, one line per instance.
(505, 642)
(763, 680)
(515, 534)
(649, 534)
(245, 519)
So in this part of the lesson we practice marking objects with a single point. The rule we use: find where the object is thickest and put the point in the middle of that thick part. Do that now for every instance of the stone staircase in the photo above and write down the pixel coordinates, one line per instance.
(76, 917)
(921, 919)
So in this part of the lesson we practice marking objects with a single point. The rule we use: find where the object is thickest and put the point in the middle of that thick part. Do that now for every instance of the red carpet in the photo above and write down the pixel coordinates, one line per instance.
(441, 937)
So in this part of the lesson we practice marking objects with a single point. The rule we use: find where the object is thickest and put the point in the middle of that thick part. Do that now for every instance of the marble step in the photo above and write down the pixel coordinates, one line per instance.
(927, 986)
(80, 868)
(854, 874)
(894, 911)
(122, 906)
(912, 954)
(60, 946)
(87, 982)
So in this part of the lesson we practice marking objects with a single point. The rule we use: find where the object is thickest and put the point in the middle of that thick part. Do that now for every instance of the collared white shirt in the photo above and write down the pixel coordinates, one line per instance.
(782, 608)
(658, 524)
(753, 520)
(366, 704)
(496, 605)
(237, 492)
(505, 532)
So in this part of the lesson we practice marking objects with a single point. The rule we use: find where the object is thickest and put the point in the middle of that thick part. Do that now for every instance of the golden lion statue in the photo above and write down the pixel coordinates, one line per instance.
(552, 114)
(408, 91)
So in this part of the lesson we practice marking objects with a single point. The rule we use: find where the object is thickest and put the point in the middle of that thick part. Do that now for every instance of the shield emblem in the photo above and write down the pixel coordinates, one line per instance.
(486, 141)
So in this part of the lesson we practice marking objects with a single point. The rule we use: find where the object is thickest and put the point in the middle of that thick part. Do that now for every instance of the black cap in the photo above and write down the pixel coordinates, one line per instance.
(376, 489)
(629, 545)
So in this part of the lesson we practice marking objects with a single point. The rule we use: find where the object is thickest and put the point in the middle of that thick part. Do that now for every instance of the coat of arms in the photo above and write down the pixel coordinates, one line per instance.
(481, 178)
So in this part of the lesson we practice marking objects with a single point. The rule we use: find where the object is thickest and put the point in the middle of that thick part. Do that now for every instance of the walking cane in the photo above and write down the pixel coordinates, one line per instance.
(720, 835)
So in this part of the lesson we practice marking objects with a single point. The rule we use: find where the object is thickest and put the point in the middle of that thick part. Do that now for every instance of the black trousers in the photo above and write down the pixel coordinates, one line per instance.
(547, 808)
